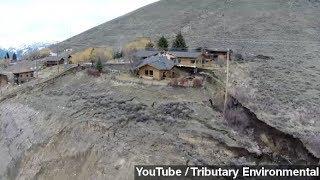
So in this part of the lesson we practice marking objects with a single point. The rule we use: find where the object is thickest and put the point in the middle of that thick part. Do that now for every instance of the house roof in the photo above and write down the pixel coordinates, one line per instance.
(145, 53)
(50, 58)
(22, 70)
(53, 58)
(22, 67)
(159, 62)
(4, 73)
(187, 54)
(217, 50)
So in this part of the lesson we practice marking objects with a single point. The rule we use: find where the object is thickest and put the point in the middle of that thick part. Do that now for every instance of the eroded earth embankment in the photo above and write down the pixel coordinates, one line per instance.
(80, 126)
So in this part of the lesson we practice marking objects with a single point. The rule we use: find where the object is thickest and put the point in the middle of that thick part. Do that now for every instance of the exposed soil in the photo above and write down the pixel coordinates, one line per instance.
(81, 126)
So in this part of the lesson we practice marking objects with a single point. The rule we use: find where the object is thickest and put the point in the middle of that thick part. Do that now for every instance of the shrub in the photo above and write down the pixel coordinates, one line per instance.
(99, 66)
(197, 82)
(183, 82)
(93, 72)
(174, 82)
(149, 46)
(117, 55)
(238, 57)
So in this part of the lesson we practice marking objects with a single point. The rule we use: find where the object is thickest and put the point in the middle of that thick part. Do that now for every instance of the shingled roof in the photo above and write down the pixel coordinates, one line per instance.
(185, 54)
(145, 53)
(22, 67)
(159, 62)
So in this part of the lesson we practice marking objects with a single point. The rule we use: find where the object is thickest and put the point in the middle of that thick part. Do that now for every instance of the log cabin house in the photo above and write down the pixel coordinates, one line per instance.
(157, 67)
(216, 54)
(22, 75)
(202, 59)
(186, 59)
(212, 58)
(53, 61)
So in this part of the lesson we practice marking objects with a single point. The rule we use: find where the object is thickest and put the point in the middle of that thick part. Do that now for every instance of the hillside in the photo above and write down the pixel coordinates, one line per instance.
(283, 90)
(81, 127)
(206, 22)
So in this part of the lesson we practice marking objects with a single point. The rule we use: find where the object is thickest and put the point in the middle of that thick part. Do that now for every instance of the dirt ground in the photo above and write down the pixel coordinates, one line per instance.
(81, 127)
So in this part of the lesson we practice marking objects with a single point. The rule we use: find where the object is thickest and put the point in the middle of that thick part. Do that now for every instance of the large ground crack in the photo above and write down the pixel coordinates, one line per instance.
(282, 146)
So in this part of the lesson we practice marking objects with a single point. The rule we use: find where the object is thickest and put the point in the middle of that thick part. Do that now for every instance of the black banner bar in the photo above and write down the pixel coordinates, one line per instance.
(225, 172)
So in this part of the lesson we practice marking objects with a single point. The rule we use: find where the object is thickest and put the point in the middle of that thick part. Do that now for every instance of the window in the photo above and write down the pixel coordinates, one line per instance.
(193, 61)
(151, 73)
(27, 75)
(31, 75)
(146, 72)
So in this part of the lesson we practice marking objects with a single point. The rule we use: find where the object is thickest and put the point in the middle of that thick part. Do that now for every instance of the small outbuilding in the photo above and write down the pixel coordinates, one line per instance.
(156, 67)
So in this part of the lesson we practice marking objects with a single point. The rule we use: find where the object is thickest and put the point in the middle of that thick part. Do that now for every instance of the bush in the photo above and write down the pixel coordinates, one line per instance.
(117, 55)
(149, 46)
(238, 57)
(260, 56)
(174, 82)
(197, 82)
(99, 66)
(183, 82)
(93, 72)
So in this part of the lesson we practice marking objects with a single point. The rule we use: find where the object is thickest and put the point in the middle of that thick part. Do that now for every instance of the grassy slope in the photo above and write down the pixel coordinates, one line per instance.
(284, 92)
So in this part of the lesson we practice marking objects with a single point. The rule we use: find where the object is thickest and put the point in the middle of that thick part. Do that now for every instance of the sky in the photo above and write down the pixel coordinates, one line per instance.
(30, 21)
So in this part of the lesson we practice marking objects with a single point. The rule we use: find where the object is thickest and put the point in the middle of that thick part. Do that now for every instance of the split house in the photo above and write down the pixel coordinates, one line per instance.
(156, 67)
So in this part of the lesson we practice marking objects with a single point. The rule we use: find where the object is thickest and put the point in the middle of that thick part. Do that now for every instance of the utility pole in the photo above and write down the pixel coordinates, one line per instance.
(58, 58)
(36, 70)
(227, 82)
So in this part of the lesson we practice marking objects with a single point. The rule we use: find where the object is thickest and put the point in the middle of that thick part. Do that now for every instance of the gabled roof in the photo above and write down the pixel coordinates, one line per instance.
(22, 67)
(185, 54)
(19, 70)
(145, 53)
(4, 72)
(50, 58)
(159, 62)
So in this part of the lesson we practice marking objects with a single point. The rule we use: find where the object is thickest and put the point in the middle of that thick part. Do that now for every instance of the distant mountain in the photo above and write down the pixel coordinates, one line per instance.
(24, 49)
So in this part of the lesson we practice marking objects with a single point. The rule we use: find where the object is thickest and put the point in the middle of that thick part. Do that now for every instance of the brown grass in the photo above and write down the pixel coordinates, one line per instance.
(104, 53)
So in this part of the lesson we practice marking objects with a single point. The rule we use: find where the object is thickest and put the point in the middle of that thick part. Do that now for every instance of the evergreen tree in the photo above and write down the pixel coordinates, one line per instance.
(179, 43)
(149, 46)
(7, 56)
(163, 43)
(14, 56)
(99, 65)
